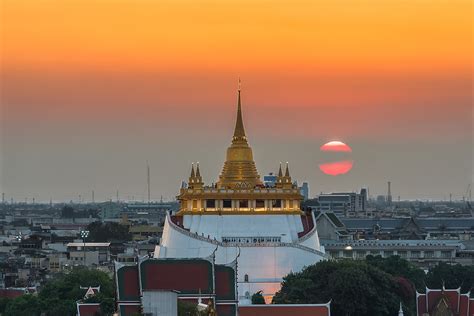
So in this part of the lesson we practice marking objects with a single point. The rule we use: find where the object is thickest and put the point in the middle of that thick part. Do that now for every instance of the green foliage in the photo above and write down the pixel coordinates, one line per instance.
(258, 298)
(187, 309)
(453, 276)
(3, 304)
(399, 267)
(107, 231)
(26, 305)
(58, 297)
(67, 286)
(355, 288)
(107, 306)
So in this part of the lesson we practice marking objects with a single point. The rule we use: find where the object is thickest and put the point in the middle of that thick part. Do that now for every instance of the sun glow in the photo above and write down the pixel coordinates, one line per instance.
(336, 145)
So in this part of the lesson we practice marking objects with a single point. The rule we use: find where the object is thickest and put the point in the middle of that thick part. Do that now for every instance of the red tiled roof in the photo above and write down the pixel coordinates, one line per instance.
(88, 309)
(284, 310)
(11, 293)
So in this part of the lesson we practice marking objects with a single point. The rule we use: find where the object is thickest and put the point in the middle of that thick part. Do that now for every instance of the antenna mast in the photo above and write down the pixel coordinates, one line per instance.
(148, 180)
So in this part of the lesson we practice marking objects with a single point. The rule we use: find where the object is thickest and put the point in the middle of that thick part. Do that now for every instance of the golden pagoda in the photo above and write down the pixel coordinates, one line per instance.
(239, 168)
(239, 189)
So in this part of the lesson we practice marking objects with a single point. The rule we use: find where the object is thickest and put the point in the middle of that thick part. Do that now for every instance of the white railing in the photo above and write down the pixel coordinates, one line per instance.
(235, 244)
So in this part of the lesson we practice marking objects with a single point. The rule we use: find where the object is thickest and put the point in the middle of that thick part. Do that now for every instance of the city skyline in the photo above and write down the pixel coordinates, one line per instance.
(85, 105)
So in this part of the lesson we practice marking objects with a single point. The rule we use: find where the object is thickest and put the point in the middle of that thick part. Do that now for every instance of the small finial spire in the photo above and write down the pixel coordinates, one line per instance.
(240, 84)
(192, 171)
(287, 172)
(198, 172)
(280, 172)
(400, 311)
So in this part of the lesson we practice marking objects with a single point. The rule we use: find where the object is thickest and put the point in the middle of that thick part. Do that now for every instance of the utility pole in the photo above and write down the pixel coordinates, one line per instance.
(93, 197)
(148, 180)
(84, 235)
(117, 195)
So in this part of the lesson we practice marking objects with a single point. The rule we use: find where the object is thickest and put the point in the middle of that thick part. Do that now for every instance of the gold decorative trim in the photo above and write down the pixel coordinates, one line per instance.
(288, 212)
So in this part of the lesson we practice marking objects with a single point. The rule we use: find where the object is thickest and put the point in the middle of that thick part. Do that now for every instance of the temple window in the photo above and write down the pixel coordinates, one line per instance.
(210, 203)
(260, 204)
(246, 278)
(243, 204)
(227, 203)
(195, 204)
(276, 203)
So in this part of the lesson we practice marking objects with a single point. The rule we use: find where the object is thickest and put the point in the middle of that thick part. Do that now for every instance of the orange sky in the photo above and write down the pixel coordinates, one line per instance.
(336, 35)
(355, 70)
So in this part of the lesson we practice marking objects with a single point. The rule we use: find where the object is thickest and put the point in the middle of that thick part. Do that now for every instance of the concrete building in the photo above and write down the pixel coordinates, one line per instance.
(347, 204)
(88, 254)
(424, 253)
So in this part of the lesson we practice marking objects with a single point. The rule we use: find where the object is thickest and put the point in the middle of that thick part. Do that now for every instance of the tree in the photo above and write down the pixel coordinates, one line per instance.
(354, 287)
(25, 305)
(258, 298)
(104, 232)
(398, 267)
(3, 304)
(452, 276)
(58, 297)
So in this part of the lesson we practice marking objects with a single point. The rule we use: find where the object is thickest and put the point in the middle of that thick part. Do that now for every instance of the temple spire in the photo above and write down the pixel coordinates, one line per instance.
(239, 131)
(239, 168)
(287, 172)
(193, 175)
(198, 172)
(280, 173)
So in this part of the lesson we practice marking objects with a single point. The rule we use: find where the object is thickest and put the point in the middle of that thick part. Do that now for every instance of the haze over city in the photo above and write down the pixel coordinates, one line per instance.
(86, 103)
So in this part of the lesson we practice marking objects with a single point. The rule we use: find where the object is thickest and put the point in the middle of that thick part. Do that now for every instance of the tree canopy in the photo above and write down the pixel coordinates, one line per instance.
(353, 287)
(58, 297)
(452, 276)
(399, 267)
(107, 231)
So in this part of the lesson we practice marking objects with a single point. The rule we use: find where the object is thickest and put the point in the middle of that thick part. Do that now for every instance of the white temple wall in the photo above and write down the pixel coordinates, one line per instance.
(284, 226)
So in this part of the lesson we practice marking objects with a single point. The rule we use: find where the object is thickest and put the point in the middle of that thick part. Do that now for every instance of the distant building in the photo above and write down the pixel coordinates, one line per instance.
(381, 199)
(270, 179)
(143, 232)
(330, 227)
(343, 204)
(304, 189)
(424, 253)
(411, 228)
(94, 253)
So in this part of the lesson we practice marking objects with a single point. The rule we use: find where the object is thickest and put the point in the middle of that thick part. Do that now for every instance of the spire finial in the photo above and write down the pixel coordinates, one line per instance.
(192, 171)
(400, 311)
(287, 172)
(198, 172)
(240, 84)
(280, 172)
(239, 132)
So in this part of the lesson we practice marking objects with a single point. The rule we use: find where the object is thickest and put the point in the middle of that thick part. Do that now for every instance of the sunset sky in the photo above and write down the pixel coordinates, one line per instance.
(92, 89)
